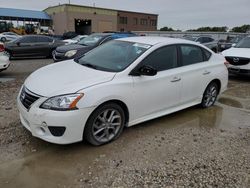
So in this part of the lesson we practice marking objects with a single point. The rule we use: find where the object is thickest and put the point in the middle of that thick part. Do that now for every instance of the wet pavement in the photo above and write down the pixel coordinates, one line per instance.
(191, 148)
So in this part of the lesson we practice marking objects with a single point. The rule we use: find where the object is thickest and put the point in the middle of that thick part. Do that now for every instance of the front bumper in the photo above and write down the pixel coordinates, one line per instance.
(239, 71)
(4, 62)
(58, 56)
(38, 121)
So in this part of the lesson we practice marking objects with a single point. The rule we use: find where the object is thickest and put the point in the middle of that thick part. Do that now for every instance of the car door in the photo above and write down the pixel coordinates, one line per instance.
(42, 46)
(194, 72)
(24, 46)
(154, 94)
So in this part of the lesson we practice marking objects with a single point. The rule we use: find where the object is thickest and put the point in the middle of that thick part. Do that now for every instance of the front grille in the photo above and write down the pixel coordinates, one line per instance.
(238, 60)
(27, 98)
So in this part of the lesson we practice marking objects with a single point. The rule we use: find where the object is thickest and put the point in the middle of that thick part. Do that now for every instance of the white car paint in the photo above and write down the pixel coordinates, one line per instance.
(75, 39)
(146, 97)
(4, 61)
(238, 52)
(9, 36)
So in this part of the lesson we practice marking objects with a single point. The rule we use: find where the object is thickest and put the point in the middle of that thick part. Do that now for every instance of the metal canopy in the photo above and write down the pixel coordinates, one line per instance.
(23, 15)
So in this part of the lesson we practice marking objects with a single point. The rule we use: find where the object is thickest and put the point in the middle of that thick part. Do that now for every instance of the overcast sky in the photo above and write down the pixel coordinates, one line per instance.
(179, 14)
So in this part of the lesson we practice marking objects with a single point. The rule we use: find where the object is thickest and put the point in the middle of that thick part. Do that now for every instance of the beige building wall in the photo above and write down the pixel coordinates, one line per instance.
(64, 18)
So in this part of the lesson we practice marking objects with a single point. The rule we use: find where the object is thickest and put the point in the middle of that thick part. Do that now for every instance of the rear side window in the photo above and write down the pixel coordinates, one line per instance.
(162, 59)
(207, 54)
(44, 39)
(191, 54)
(28, 39)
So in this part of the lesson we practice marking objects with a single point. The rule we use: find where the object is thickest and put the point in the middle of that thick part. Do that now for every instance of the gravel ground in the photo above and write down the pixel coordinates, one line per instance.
(191, 148)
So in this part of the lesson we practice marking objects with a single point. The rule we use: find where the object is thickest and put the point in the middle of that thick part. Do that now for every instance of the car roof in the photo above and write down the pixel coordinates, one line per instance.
(156, 40)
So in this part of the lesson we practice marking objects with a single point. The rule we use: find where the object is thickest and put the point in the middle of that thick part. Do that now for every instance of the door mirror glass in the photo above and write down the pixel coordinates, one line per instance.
(147, 70)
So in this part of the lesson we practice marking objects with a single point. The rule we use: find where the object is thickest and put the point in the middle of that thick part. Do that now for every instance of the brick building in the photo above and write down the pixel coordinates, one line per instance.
(86, 20)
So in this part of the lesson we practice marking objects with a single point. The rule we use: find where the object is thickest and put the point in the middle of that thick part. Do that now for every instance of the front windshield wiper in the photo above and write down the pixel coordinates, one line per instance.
(89, 65)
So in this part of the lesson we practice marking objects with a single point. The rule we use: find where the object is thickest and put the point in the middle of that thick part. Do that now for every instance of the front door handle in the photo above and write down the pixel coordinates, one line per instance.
(176, 79)
(206, 72)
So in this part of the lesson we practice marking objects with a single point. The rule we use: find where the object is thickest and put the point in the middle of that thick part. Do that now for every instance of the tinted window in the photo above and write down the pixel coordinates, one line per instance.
(162, 59)
(207, 54)
(106, 40)
(44, 39)
(191, 54)
(29, 39)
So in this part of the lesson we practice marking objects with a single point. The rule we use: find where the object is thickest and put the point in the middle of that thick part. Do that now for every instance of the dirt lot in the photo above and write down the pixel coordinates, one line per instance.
(192, 148)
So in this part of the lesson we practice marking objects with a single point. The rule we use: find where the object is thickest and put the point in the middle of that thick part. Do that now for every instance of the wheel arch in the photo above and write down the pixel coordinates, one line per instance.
(118, 102)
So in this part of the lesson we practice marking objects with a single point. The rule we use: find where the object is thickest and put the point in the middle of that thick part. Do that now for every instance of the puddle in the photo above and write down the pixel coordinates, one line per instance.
(60, 166)
(230, 102)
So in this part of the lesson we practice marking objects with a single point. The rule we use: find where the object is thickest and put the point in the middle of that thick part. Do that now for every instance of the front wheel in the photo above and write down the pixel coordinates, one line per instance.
(3, 39)
(210, 95)
(105, 124)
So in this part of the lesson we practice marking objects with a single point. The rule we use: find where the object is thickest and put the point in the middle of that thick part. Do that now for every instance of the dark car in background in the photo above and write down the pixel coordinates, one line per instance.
(207, 41)
(226, 44)
(32, 46)
(83, 46)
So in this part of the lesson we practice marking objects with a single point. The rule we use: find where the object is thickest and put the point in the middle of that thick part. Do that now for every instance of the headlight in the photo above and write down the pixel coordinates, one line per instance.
(62, 103)
(70, 53)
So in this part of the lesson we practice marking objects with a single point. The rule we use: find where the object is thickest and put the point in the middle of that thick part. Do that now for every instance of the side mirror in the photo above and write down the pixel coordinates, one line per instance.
(233, 45)
(18, 43)
(145, 70)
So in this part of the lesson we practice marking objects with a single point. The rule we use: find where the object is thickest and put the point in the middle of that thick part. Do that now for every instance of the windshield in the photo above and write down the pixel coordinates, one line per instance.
(113, 56)
(191, 38)
(244, 43)
(78, 37)
(90, 40)
(235, 39)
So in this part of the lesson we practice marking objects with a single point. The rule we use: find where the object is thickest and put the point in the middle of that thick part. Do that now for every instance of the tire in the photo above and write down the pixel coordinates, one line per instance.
(3, 39)
(105, 124)
(210, 95)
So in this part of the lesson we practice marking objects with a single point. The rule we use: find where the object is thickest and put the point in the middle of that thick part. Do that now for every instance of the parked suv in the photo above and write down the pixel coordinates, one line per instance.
(239, 57)
(76, 50)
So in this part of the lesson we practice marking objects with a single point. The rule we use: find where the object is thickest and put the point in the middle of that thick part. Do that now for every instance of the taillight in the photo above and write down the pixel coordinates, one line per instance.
(226, 63)
(1, 47)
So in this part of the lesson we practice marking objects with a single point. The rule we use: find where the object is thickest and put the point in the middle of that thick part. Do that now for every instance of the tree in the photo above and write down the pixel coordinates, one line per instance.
(241, 29)
(211, 29)
(167, 29)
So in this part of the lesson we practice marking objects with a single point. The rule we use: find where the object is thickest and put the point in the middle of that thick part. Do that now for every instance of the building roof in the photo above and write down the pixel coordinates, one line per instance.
(21, 14)
(100, 8)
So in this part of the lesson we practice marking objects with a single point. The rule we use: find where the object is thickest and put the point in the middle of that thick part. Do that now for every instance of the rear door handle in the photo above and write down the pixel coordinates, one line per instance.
(176, 79)
(206, 72)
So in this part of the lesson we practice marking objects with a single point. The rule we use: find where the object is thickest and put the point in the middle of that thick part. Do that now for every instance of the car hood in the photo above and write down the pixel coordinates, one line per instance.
(64, 49)
(64, 78)
(237, 52)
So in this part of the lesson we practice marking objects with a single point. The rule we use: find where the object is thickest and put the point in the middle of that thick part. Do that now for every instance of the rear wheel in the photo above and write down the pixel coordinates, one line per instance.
(105, 124)
(210, 95)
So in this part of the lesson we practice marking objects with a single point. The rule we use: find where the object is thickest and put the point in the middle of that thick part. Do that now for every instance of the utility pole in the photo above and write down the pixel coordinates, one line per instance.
(69, 1)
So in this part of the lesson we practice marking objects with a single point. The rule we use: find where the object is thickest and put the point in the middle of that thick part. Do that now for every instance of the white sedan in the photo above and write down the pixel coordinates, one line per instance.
(239, 57)
(121, 83)
(8, 36)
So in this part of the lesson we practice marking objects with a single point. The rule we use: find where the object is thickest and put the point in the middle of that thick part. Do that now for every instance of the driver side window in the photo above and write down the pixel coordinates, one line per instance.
(162, 59)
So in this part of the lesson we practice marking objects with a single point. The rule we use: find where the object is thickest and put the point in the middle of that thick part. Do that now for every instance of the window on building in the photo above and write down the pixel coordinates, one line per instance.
(153, 22)
(123, 20)
(135, 21)
(144, 21)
